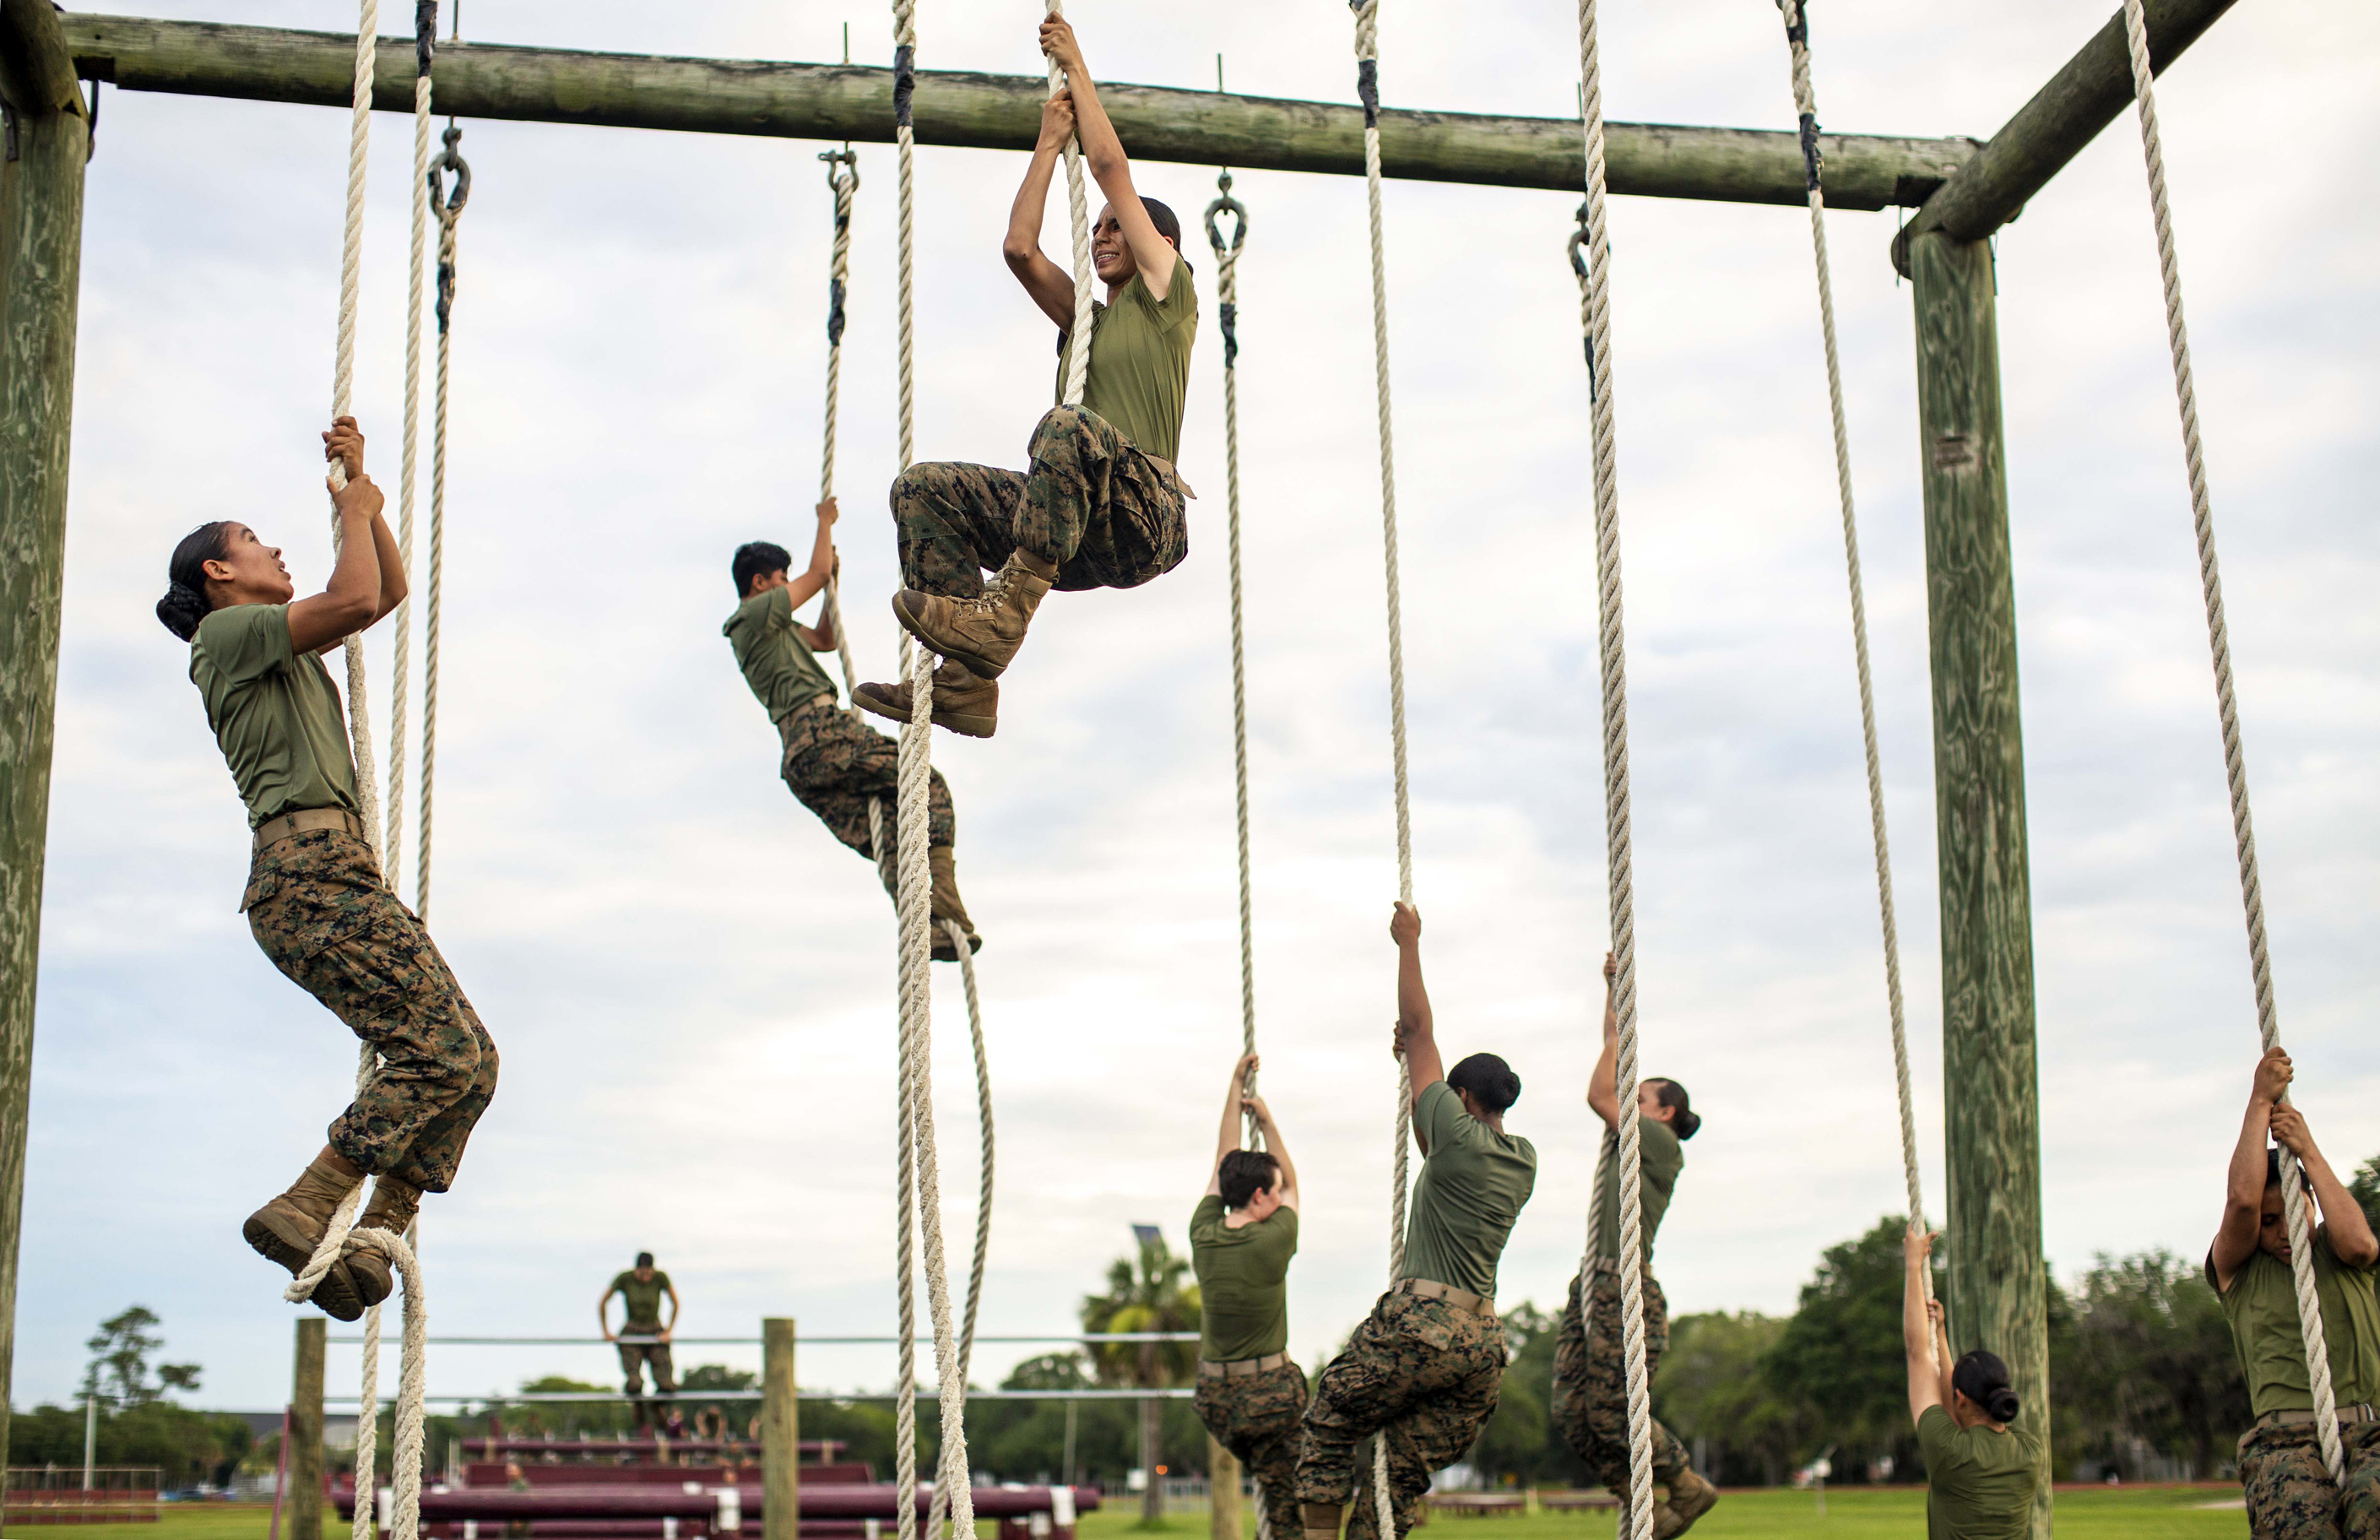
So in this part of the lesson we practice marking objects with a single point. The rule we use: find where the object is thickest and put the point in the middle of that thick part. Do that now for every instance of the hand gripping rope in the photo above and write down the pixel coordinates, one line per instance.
(1805, 103)
(2235, 761)
(1367, 87)
(1622, 899)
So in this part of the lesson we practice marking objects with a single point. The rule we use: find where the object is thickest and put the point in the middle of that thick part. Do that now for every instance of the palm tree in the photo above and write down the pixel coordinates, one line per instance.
(1146, 1293)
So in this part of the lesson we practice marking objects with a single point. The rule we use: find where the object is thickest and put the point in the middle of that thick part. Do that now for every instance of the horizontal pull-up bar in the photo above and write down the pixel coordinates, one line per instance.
(1000, 112)
(387, 1343)
(694, 1398)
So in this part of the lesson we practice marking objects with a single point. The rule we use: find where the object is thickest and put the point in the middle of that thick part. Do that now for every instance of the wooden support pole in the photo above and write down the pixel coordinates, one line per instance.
(1994, 184)
(48, 138)
(1997, 1295)
(780, 1492)
(1002, 112)
(1222, 1492)
(304, 1506)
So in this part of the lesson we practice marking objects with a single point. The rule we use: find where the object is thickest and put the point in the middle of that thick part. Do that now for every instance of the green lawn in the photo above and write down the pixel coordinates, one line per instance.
(2126, 1513)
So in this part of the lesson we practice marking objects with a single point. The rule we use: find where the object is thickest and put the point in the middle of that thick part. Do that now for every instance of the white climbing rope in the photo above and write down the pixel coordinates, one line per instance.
(1367, 86)
(425, 26)
(1617, 851)
(405, 1457)
(343, 386)
(842, 181)
(2235, 762)
(1078, 336)
(1805, 104)
(448, 207)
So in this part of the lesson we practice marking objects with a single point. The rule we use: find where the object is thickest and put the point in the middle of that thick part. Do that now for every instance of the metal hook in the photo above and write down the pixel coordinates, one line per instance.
(1226, 204)
(441, 204)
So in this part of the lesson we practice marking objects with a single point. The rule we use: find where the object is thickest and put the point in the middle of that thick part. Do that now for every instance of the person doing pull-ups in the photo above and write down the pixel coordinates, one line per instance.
(643, 1338)
(1100, 507)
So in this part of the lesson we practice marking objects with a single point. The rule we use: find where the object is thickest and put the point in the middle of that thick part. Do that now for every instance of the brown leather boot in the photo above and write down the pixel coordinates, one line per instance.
(984, 634)
(288, 1229)
(966, 705)
(942, 862)
(1320, 1520)
(392, 1208)
(1690, 1497)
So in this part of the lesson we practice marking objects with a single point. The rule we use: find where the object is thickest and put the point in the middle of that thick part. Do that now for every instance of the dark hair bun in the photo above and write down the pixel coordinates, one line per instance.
(2003, 1405)
(1685, 1125)
(181, 610)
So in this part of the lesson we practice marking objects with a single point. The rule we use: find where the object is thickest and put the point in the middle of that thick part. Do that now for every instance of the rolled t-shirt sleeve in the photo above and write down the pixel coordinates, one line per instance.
(1178, 304)
(245, 641)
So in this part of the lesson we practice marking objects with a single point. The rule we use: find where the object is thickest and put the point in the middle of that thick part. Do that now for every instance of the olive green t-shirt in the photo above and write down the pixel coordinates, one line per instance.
(1979, 1483)
(1473, 1183)
(1139, 375)
(1242, 1280)
(1661, 1158)
(275, 714)
(776, 662)
(644, 1299)
(2261, 1305)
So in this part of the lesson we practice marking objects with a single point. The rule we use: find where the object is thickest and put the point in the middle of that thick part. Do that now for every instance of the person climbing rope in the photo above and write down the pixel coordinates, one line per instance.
(1590, 1401)
(1102, 506)
(2290, 1494)
(1251, 1393)
(316, 900)
(1980, 1473)
(1423, 1368)
(643, 1338)
(834, 765)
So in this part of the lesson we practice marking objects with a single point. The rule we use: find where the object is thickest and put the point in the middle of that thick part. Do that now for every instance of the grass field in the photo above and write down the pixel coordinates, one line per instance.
(2125, 1513)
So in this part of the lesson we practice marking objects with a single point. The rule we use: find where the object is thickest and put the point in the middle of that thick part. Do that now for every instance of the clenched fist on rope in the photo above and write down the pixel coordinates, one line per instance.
(1101, 506)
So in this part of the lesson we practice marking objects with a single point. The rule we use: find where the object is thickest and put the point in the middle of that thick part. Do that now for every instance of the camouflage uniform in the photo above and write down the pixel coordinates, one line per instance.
(2290, 1491)
(634, 1357)
(834, 764)
(1256, 1417)
(1091, 502)
(317, 906)
(1590, 1403)
(1423, 1374)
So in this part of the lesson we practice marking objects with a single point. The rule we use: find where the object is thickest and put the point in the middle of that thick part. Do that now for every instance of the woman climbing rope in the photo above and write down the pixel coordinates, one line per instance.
(1424, 1369)
(1100, 507)
(1251, 1393)
(1590, 1373)
(1980, 1472)
(2290, 1493)
(834, 765)
(316, 900)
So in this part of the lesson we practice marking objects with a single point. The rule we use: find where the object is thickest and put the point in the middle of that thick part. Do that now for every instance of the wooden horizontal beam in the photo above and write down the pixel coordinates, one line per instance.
(2066, 115)
(999, 112)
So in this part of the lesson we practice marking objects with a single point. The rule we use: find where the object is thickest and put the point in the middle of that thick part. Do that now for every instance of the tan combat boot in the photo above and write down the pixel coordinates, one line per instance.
(288, 1229)
(1690, 1497)
(1322, 1520)
(984, 634)
(392, 1208)
(966, 705)
(948, 905)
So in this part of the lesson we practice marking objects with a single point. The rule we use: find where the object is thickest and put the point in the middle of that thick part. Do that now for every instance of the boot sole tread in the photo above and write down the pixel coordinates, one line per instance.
(977, 664)
(335, 1293)
(964, 725)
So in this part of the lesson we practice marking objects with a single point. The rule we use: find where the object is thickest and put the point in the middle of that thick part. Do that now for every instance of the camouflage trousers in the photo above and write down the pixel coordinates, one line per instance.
(1421, 1374)
(1255, 1417)
(634, 1356)
(317, 906)
(2290, 1491)
(1590, 1403)
(1090, 502)
(835, 763)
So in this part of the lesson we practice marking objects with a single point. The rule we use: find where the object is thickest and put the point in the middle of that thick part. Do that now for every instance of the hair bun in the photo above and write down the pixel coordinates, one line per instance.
(181, 610)
(1685, 1125)
(2003, 1405)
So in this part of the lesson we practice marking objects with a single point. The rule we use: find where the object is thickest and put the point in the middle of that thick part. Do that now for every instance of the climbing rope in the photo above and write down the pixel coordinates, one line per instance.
(425, 42)
(2235, 762)
(842, 182)
(1805, 104)
(343, 384)
(1078, 213)
(448, 207)
(1623, 899)
(1367, 87)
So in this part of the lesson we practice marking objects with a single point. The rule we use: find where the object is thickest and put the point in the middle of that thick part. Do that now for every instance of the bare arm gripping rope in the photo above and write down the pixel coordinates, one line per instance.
(1367, 87)
(1615, 784)
(1805, 104)
(2235, 761)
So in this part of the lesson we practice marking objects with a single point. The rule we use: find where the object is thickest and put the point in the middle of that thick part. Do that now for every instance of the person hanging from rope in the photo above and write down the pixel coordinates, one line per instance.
(834, 765)
(643, 1338)
(1251, 1393)
(2290, 1495)
(1101, 506)
(1590, 1400)
(1424, 1369)
(316, 900)
(1980, 1473)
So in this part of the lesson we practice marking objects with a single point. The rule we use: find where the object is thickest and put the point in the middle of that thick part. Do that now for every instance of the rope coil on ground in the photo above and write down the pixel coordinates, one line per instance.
(2235, 762)
(1623, 899)
(448, 207)
(1805, 104)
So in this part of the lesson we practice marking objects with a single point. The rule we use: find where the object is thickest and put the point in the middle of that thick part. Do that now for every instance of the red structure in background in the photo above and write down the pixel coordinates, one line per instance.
(55, 1494)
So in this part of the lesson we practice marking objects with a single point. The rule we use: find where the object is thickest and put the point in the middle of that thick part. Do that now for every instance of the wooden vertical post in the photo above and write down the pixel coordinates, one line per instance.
(781, 1478)
(305, 1438)
(1997, 1293)
(48, 138)
(1222, 1492)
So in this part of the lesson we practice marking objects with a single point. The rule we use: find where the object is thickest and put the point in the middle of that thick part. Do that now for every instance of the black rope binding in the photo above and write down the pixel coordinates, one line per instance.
(1578, 265)
(447, 208)
(1367, 89)
(425, 34)
(905, 83)
(1224, 203)
(843, 184)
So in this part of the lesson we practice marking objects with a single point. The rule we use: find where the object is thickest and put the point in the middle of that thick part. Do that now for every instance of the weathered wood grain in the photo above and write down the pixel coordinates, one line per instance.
(1997, 1293)
(781, 1431)
(302, 1507)
(1000, 112)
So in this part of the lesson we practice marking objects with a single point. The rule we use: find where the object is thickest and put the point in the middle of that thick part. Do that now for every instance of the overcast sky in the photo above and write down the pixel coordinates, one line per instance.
(692, 984)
